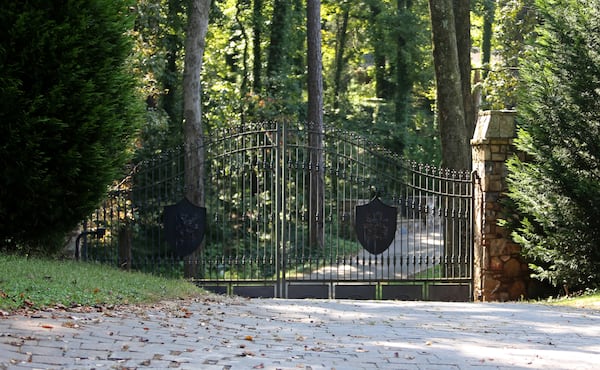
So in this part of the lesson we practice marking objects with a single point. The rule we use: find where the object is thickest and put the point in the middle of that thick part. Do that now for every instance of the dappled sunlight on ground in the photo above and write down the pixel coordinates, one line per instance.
(303, 334)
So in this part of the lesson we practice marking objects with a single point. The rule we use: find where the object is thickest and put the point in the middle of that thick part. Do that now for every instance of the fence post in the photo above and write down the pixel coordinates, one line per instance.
(500, 274)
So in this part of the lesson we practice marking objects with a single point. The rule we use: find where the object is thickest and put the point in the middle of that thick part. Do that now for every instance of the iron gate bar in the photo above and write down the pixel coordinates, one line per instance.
(258, 216)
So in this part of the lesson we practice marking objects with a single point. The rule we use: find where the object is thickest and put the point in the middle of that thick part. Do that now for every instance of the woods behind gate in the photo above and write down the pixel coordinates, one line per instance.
(264, 237)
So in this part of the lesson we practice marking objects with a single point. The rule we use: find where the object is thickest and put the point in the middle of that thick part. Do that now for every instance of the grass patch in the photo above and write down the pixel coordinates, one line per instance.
(586, 300)
(38, 283)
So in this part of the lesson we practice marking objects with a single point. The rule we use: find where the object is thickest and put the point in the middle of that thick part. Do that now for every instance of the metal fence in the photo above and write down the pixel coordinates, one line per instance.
(271, 232)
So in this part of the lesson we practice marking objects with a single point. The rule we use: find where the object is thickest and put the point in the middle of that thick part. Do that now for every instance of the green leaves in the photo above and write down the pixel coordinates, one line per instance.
(557, 192)
(71, 117)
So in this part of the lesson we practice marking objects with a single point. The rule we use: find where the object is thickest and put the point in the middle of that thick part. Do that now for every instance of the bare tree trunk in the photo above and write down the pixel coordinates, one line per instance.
(486, 38)
(404, 82)
(342, 33)
(257, 24)
(279, 36)
(462, 25)
(451, 116)
(198, 12)
(450, 107)
(244, 85)
(379, 58)
(315, 120)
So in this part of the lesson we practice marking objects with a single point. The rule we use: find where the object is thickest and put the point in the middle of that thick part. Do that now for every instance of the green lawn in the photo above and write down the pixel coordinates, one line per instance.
(39, 283)
(590, 300)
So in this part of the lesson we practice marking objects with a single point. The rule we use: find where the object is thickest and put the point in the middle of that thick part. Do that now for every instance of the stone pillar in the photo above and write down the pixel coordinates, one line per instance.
(500, 274)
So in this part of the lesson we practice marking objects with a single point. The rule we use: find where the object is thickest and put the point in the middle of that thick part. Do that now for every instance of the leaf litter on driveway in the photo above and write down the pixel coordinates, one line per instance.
(237, 333)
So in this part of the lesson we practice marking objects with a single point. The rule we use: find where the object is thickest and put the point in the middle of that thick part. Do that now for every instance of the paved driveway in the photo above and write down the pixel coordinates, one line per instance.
(305, 334)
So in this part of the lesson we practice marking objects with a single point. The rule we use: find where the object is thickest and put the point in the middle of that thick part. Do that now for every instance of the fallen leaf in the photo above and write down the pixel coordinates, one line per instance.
(70, 324)
(249, 338)
(47, 326)
(314, 349)
(259, 366)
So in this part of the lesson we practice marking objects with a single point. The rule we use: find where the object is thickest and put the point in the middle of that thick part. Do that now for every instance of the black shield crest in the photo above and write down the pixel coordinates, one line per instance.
(376, 226)
(184, 226)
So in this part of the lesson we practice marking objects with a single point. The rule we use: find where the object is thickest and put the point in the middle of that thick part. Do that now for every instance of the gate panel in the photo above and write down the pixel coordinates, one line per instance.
(270, 233)
(433, 242)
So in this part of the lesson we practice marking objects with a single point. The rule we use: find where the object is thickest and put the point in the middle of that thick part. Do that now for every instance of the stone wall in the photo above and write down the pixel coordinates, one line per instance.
(500, 274)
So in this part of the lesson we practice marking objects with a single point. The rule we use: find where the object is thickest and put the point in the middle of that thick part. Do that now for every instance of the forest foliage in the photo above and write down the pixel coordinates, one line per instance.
(556, 189)
(255, 69)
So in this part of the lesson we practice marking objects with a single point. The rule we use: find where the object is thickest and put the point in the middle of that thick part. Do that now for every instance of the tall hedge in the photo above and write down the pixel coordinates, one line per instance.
(68, 112)
(557, 191)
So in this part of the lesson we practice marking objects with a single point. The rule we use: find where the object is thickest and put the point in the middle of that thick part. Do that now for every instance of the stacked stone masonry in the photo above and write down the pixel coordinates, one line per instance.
(500, 272)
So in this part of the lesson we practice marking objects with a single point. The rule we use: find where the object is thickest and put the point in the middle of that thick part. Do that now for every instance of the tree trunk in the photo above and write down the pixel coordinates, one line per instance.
(198, 12)
(276, 57)
(403, 80)
(257, 19)
(462, 25)
(244, 84)
(381, 90)
(486, 53)
(315, 120)
(339, 54)
(450, 107)
(451, 117)
(171, 77)
(486, 38)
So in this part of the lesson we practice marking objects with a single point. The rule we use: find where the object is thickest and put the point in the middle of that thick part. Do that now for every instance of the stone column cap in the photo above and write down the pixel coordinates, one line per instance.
(494, 124)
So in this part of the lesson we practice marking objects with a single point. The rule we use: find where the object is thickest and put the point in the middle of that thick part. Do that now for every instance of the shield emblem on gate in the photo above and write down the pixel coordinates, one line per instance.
(375, 225)
(184, 226)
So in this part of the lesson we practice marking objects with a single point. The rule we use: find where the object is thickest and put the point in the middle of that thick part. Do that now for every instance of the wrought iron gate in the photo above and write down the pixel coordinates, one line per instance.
(273, 231)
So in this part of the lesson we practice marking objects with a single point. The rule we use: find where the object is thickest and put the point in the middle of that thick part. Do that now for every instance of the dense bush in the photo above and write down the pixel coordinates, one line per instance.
(557, 191)
(68, 110)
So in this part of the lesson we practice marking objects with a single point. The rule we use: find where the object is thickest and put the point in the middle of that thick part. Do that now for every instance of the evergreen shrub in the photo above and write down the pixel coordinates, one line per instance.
(68, 113)
(557, 189)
